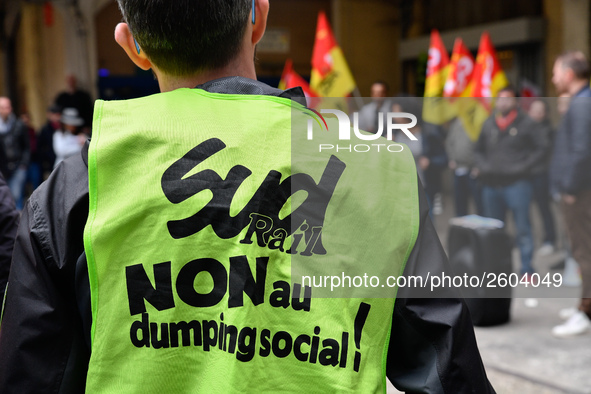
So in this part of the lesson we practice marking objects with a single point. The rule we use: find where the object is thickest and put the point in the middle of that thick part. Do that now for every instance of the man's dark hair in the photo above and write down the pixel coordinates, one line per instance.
(183, 37)
(576, 61)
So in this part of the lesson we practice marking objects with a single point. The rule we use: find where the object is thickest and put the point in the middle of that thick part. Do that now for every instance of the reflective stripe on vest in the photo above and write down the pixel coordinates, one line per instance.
(191, 238)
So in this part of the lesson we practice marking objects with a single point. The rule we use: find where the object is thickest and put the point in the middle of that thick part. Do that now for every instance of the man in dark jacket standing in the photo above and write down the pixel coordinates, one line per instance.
(8, 226)
(14, 139)
(570, 174)
(506, 152)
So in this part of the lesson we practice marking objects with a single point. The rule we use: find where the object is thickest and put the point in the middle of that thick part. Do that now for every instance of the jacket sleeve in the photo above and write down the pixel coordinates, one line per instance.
(42, 340)
(8, 225)
(432, 344)
(24, 141)
(539, 143)
(480, 161)
(578, 177)
(434, 145)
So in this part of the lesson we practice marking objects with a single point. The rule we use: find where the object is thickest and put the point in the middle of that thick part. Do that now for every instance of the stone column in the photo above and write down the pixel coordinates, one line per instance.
(567, 28)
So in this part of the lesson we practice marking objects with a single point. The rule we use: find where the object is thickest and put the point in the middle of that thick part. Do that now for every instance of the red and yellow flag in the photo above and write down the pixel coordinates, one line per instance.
(291, 79)
(435, 110)
(488, 77)
(437, 66)
(330, 76)
(460, 72)
(459, 85)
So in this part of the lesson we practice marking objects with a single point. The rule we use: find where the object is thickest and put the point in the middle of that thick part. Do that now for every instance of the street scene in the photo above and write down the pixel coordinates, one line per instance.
(295, 196)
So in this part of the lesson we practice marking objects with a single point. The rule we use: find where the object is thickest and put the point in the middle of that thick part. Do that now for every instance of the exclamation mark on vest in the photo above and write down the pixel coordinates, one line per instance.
(359, 323)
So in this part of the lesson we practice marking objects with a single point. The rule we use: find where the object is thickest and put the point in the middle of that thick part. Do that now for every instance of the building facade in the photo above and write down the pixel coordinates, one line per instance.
(43, 41)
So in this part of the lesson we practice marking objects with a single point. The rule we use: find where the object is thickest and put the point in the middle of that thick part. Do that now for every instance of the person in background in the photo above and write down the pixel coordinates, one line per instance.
(45, 140)
(8, 226)
(34, 169)
(571, 275)
(538, 111)
(570, 176)
(507, 151)
(14, 139)
(69, 140)
(73, 97)
(460, 150)
(370, 114)
(405, 104)
(435, 163)
(428, 150)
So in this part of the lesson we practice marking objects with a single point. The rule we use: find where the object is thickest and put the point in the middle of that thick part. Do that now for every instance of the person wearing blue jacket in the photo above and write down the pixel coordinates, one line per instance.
(571, 176)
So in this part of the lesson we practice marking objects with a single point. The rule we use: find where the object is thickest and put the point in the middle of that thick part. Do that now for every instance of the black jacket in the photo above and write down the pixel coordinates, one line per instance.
(546, 132)
(570, 171)
(15, 144)
(45, 335)
(504, 157)
(8, 226)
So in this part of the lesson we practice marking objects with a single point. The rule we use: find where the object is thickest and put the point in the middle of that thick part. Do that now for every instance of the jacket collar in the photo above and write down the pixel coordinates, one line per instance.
(237, 85)
(584, 92)
(241, 85)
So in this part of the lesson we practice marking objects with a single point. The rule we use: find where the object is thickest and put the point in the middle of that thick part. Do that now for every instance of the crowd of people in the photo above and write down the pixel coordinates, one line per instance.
(519, 159)
(27, 156)
(506, 169)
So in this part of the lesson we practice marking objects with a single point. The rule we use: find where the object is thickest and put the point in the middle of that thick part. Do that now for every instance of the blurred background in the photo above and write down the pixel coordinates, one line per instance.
(43, 41)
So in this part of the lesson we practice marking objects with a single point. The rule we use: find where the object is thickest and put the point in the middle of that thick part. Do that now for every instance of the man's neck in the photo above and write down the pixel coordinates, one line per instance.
(577, 86)
(241, 66)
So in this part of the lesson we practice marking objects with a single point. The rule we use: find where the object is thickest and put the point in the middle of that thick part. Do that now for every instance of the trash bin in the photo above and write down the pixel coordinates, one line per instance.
(481, 247)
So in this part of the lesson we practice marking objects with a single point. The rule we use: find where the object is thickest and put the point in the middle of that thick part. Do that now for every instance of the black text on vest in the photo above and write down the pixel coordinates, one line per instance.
(236, 281)
(263, 208)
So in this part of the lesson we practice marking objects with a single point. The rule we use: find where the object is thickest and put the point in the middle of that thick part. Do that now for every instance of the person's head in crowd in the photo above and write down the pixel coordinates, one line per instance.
(71, 83)
(538, 110)
(562, 103)
(54, 114)
(379, 91)
(207, 40)
(26, 119)
(71, 121)
(5, 108)
(506, 101)
(571, 72)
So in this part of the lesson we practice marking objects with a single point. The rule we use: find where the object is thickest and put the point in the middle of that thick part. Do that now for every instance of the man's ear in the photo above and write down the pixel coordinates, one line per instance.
(125, 39)
(569, 75)
(261, 13)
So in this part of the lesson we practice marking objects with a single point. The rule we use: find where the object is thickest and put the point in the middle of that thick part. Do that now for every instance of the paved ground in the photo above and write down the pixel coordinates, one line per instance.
(522, 356)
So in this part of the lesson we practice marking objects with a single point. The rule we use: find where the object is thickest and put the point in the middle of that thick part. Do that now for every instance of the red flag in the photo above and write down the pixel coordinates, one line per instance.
(488, 77)
(437, 66)
(291, 79)
(460, 72)
(48, 14)
(436, 111)
(330, 76)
